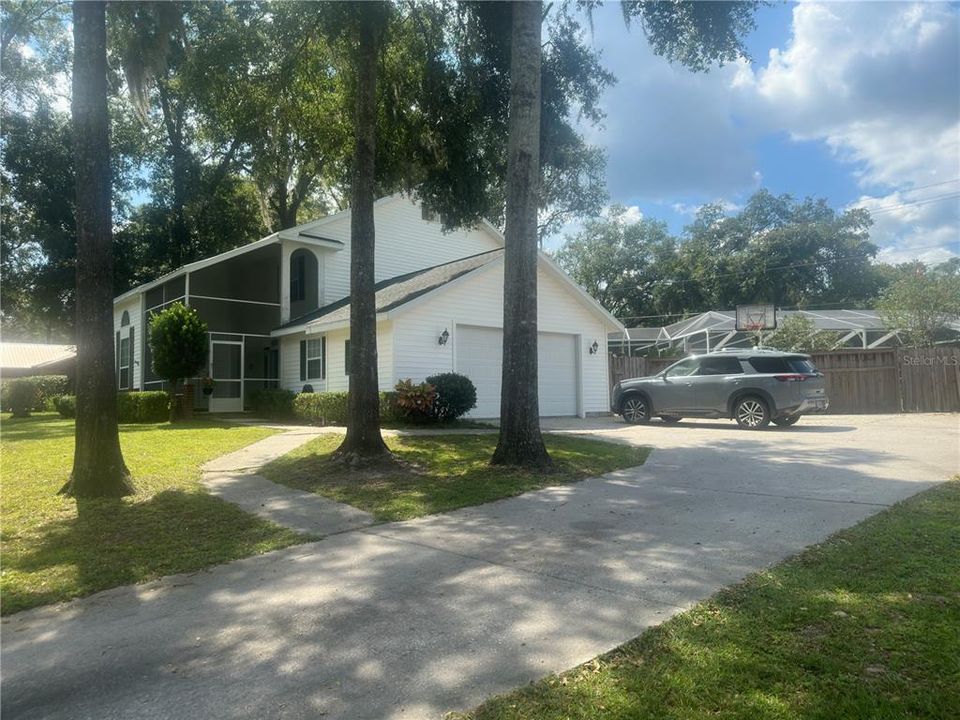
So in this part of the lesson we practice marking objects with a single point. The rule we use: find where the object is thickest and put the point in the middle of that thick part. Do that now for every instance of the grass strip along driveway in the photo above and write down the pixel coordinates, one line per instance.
(52, 552)
(865, 625)
(444, 472)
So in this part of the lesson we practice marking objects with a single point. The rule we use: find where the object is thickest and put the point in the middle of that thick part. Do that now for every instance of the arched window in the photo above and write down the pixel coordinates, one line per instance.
(125, 319)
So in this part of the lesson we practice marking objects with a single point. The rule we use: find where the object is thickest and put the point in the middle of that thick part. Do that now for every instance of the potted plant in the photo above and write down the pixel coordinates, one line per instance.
(206, 384)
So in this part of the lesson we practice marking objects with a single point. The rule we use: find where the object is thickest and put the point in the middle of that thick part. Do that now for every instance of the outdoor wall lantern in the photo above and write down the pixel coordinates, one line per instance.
(444, 336)
(594, 347)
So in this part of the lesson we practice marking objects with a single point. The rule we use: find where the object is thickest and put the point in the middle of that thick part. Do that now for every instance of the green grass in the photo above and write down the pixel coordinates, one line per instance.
(865, 626)
(452, 471)
(52, 552)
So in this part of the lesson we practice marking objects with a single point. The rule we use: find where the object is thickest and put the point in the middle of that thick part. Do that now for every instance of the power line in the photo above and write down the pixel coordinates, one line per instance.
(922, 201)
(924, 187)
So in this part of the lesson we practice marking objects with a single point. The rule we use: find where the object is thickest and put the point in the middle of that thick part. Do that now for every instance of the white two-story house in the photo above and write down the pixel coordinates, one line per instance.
(278, 314)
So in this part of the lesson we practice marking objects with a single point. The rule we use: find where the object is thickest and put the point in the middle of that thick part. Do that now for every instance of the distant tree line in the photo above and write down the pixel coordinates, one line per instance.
(776, 249)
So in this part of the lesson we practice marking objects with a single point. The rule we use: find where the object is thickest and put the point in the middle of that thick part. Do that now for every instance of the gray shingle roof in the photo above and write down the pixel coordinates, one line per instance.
(399, 290)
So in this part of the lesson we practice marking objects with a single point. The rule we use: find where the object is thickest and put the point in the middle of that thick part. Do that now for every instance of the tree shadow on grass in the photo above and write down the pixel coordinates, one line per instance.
(122, 542)
(441, 473)
(35, 427)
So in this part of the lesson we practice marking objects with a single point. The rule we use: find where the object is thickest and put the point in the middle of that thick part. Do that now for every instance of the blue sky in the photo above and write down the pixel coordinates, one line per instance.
(857, 102)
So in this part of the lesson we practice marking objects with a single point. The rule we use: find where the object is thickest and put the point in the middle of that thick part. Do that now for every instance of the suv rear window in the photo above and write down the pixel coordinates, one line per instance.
(720, 366)
(772, 365)
(802, 365)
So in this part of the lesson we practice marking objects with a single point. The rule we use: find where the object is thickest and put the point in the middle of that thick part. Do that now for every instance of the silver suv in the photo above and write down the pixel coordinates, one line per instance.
(754, 387)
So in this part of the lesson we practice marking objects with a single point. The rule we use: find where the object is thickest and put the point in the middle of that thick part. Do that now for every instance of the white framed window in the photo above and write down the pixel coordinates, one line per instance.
(315, 359)
(125, 363)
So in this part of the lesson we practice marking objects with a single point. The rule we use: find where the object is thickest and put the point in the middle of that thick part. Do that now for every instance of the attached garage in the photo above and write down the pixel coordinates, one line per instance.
(479, 352)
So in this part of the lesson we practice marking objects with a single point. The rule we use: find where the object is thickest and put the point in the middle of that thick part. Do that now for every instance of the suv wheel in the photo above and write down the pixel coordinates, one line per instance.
(635, 410)
(786, 421)
(751, 413)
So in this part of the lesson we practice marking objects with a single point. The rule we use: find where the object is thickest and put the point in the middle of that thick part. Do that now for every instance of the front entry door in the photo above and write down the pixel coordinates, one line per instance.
(226, 369)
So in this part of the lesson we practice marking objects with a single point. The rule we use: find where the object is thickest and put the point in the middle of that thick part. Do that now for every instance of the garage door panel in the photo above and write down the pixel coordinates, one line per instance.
(480, 352)
(557, 374)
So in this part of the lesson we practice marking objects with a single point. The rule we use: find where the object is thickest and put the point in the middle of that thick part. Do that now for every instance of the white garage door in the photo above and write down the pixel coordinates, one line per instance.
(480, 351)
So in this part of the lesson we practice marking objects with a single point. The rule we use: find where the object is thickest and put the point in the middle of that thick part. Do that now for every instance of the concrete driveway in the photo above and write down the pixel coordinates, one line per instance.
(409, 620)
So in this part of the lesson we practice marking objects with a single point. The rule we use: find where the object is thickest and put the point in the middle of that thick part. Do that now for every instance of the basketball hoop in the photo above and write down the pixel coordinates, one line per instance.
(756, 318)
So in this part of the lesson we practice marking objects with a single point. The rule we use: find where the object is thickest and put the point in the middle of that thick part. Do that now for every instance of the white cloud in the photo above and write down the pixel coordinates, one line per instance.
(879, 83)
(876, 83)
(631, 215)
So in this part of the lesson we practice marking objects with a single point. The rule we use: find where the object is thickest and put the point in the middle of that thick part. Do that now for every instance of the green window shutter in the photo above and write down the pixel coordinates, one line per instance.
(323, 357)
(133, 346)
(346, 357)
(303, 360)
(118, 359)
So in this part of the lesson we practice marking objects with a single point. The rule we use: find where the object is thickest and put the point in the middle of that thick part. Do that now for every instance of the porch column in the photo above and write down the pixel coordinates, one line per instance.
(286, 250)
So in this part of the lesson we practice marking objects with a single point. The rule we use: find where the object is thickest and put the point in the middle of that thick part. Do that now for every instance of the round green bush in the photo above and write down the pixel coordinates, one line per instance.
(66, 405)
(456, 395)
(178, 343)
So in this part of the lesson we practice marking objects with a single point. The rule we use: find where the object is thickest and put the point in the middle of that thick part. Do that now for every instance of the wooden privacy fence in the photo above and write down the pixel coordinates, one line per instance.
(884, 380)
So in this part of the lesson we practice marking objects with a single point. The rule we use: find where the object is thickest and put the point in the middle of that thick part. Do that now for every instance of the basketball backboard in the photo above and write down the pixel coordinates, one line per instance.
(751, 318)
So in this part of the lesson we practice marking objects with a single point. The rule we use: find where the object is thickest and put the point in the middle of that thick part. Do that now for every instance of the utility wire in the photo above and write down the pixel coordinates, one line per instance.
(922, 201)
(924, 187)
(811, 263)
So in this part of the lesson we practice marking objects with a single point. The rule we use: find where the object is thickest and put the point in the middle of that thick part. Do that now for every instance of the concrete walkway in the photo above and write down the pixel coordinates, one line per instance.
(233, 478)
(410, 620)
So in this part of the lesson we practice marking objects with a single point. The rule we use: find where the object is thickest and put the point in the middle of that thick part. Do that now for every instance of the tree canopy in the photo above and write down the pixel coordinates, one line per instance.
(776, 249)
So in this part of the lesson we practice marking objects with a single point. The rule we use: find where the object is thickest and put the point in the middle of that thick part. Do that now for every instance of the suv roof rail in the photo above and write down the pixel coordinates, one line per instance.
(749, 350)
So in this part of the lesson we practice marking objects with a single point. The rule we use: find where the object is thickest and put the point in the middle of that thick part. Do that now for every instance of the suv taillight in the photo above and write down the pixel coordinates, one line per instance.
(791, 378)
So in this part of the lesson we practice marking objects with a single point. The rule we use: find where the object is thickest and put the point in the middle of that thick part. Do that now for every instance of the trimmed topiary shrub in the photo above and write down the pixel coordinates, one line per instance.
(324, 408)
(456, 395)
(272, 402)
(21, 397)
(330, 408)
(66, 405)
(149, 406)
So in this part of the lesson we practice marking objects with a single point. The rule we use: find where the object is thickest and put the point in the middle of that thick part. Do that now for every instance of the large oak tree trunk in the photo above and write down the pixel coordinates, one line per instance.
(363, 442)
(520, 442)
(98, 466)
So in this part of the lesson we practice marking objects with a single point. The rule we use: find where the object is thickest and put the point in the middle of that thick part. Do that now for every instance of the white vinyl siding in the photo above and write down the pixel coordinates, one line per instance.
(477, 300)
(405, 242)
(336, 379)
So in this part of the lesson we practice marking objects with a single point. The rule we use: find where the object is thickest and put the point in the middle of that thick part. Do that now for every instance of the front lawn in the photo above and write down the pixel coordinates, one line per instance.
(450, 471)
(865, 625)
(51, 553)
